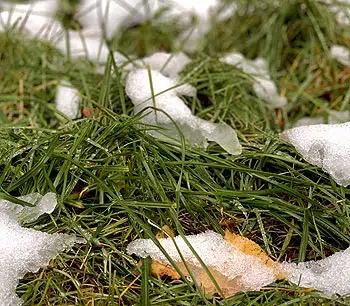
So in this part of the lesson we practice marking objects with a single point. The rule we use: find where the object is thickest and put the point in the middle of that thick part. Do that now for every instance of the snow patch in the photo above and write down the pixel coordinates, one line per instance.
(25, 250)
(330, 275)
(324, 145)
(263, 86)
(168, 103)
(36, 19)
(341, 54)
(68, 100)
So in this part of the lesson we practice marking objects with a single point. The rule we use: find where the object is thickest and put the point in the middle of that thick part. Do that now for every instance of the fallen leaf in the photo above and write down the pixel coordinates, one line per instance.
(163, 270)
(249, 247)
(228, 286)
(166, 232)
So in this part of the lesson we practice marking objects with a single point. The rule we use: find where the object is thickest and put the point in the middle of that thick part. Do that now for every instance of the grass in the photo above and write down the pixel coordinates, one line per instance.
(115, 183)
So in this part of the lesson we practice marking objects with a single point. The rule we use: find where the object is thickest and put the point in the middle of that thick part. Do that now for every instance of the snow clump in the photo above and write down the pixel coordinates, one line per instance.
(168, 104)
(324, 145)
(263, 86)
(25, 250)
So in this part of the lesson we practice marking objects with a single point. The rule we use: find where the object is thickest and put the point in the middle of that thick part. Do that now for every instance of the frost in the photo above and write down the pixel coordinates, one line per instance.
(263, 86)
(341, 54)
(166, 98)
(334, 117)
(34, 19)
(249, 271)
(68, 100)
(25, 250)
(330, 275)
(324, 145)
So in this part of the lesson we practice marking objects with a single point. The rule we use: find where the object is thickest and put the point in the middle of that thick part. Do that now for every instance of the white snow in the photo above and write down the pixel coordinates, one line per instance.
(35, 19)
(166, 98)
(167, 63)
(324, 145)
(341, 54)
(84, 44)
(184, 10)
(341, 9)
(215, 252)
(264, 87)
(330, 275)
(108, 16)
(334, 117)
(68, 100)
(25, 250)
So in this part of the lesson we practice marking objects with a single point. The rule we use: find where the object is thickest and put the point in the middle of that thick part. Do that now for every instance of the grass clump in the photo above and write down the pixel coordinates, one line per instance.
(116, 183)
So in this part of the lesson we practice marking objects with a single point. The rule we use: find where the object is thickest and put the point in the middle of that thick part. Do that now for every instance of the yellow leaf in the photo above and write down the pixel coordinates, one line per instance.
(249, 247)
(228, 287)
(162, 270)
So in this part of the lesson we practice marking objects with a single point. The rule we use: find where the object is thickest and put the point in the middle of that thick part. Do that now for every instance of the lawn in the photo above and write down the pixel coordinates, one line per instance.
(116, 183)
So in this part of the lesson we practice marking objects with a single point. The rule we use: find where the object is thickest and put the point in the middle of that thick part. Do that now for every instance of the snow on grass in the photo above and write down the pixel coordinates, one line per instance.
(166, 98)
(84, 44)
(108, 16)
(341, 54)
(167, 63)
(341, 9)
(324, 145)
(25, 250)
(330, 275)
(333, 117)
(68, 100)
(263, 86)
(35, 19)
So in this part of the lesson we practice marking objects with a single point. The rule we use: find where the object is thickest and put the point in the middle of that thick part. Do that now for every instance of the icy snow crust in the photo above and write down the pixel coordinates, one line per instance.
(324, 145)
(166, 98)
(330, 275)
(264, 87)
(25, 250)
(215, 252)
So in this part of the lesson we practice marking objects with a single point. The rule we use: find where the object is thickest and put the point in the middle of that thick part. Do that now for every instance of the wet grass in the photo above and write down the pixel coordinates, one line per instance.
(115, 183)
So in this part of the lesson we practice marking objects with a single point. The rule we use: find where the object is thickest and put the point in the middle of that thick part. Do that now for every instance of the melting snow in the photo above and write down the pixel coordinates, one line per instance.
(330, 275)
(334, 117)
(215, 252)
(68, 100)
(324, 145)
(167, 63)
(35, 19)
(25, 250)
(84, 44)
(264, 87)
(341, 54)
(184, 10)
(166, 97)
(109, 16)
(341, 9)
